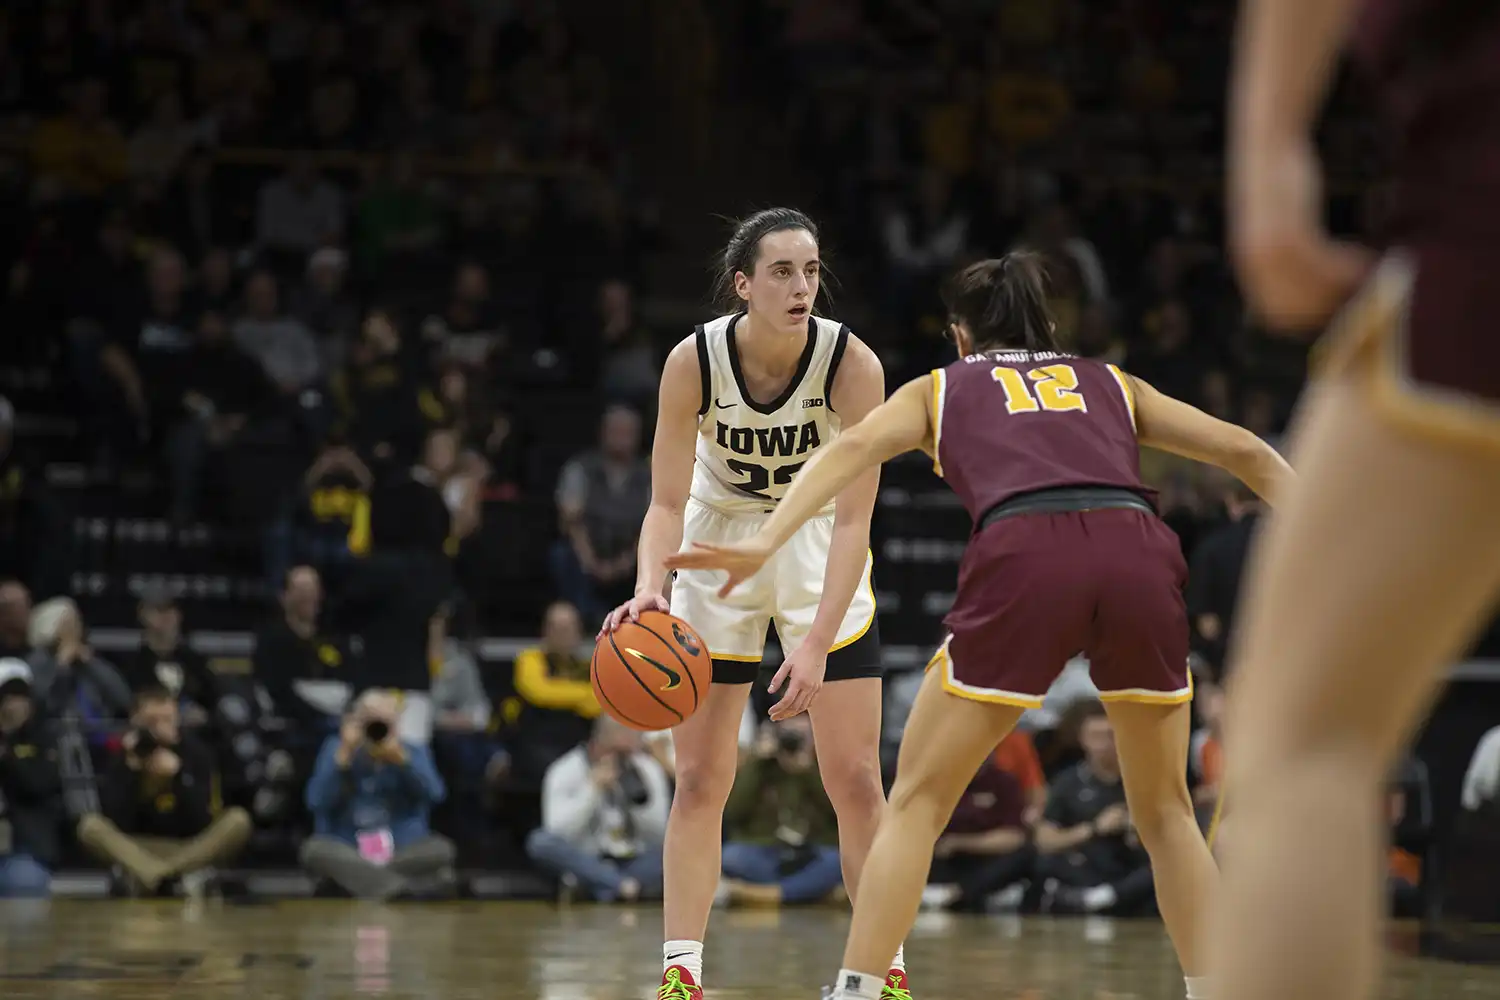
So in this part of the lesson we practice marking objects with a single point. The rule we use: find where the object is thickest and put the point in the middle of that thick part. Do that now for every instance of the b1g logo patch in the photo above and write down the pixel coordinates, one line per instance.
(686, 640)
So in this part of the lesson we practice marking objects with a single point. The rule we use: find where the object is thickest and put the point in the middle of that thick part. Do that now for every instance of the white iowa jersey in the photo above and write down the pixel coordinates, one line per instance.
(748, 451)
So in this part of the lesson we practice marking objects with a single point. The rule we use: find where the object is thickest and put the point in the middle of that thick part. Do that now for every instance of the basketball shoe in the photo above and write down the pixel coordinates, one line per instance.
(677, 984)
(896, 987)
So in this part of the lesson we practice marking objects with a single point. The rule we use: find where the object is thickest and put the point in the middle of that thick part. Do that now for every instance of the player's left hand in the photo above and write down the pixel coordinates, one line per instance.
(802, 672)
(741, 562)
(1294, 274)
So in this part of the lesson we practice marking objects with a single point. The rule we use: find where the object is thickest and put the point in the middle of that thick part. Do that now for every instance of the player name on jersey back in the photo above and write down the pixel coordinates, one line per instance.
(749, 451)
(1014, 422)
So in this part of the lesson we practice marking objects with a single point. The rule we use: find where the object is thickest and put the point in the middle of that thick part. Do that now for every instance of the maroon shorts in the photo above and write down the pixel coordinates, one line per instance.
(1427, 316)
(1417, 336)
(1035, 590)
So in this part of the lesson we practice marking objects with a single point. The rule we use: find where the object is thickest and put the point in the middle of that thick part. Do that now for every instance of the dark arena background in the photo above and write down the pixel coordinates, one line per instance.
(328, 334)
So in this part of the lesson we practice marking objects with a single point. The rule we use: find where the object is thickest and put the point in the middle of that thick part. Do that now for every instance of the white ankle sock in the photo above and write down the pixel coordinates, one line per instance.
(1197, 987)
(899, 962)
(858, 985)
(688, 954)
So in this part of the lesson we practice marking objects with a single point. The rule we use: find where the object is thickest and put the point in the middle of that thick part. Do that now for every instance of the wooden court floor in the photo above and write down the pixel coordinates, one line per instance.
(323, 950)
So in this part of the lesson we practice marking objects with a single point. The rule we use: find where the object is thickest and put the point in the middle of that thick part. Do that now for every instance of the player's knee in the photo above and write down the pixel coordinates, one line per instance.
(853, 784)
(921, 801)
(1159, 820)
(702, 784)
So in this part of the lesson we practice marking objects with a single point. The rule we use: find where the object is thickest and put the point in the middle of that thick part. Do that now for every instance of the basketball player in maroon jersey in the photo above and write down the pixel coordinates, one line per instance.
(1385, 559)
(1068, 555)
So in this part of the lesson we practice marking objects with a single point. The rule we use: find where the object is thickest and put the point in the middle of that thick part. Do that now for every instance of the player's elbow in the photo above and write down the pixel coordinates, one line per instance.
(667, 504)
(1248, 458)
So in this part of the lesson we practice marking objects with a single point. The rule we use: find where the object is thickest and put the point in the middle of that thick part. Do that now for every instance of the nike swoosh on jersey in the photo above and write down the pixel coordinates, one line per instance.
(722, 406)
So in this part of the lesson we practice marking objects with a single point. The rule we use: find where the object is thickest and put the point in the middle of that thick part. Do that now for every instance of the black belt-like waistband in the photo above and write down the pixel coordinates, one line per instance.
(1067, 498)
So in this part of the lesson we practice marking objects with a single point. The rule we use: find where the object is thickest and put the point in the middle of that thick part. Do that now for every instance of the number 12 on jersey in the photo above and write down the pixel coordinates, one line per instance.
(1053, 388)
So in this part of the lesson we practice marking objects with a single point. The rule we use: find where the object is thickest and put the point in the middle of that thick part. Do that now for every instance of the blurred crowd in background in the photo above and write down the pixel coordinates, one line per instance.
(335, 329)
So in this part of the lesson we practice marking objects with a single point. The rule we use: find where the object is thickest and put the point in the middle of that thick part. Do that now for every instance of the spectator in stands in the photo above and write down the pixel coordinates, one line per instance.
(985, 855)
(468, 328)
(1481, 787)
(328, 524)
(162, 820)
(67, 677)
(1403, 867)
(1214, 574)
(464, 743)
(299, 211)
(398, 217)
(629, 366)
(284, 348)
(391, 598)
(377, 394)
(35, 544)
(781, 830)
(166, 661)
(557, 707)
(1167, 355)
(501, 447)
(324, 304)
(604, 814)
(458, 476)
(602, 496)
(923, 240)
(31, 804)
(163, 140)
(306, 673)
(145, 351)
(1207, 759)
(15, 617)
(223, 388)
(1090, 857)
(82, 150)
(216, 289)
(370, 796)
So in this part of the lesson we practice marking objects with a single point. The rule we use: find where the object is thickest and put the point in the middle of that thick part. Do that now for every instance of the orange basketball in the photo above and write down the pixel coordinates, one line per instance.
(651, 674)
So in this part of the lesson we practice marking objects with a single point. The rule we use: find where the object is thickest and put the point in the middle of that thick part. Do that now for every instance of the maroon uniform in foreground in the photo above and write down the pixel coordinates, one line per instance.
(1434, 68)
(1036, 589)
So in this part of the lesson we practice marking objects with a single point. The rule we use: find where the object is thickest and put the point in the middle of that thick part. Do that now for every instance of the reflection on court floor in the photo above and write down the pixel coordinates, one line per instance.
(324, 950)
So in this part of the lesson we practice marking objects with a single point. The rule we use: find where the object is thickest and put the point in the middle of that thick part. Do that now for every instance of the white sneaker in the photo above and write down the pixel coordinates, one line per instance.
(939, 897)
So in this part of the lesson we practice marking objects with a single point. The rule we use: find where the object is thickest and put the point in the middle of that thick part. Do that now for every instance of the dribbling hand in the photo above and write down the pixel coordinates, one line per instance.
(740, 561)
(631, 611)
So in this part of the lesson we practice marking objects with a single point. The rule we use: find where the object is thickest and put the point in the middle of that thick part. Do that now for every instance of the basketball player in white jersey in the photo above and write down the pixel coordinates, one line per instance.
(746, 401)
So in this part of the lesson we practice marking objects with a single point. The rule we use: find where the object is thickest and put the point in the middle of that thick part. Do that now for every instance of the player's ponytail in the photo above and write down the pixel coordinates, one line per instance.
(1003, 303)
(744, 247)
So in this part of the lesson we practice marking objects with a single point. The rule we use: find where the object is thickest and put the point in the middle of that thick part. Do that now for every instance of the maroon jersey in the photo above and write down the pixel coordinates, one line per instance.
(1009, 423)
(1434, 67)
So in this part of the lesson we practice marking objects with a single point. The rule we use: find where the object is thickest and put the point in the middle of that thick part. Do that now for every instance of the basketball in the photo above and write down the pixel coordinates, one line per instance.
(651, 674)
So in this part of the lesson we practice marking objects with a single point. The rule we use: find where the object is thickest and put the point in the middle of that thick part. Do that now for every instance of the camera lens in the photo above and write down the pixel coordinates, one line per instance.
(376, 730)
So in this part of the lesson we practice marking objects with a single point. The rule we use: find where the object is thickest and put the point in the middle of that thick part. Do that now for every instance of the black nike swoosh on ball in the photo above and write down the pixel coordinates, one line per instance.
(672, 676)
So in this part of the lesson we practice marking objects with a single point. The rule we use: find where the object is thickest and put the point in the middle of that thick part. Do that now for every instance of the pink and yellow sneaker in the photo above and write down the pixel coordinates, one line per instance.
(677, 984)
(897, 986)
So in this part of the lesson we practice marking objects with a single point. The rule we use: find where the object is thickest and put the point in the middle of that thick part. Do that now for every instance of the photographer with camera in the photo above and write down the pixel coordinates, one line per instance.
(604, 814)
(163, 820)
(782, 830)
(371, 795)
(31, 804)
